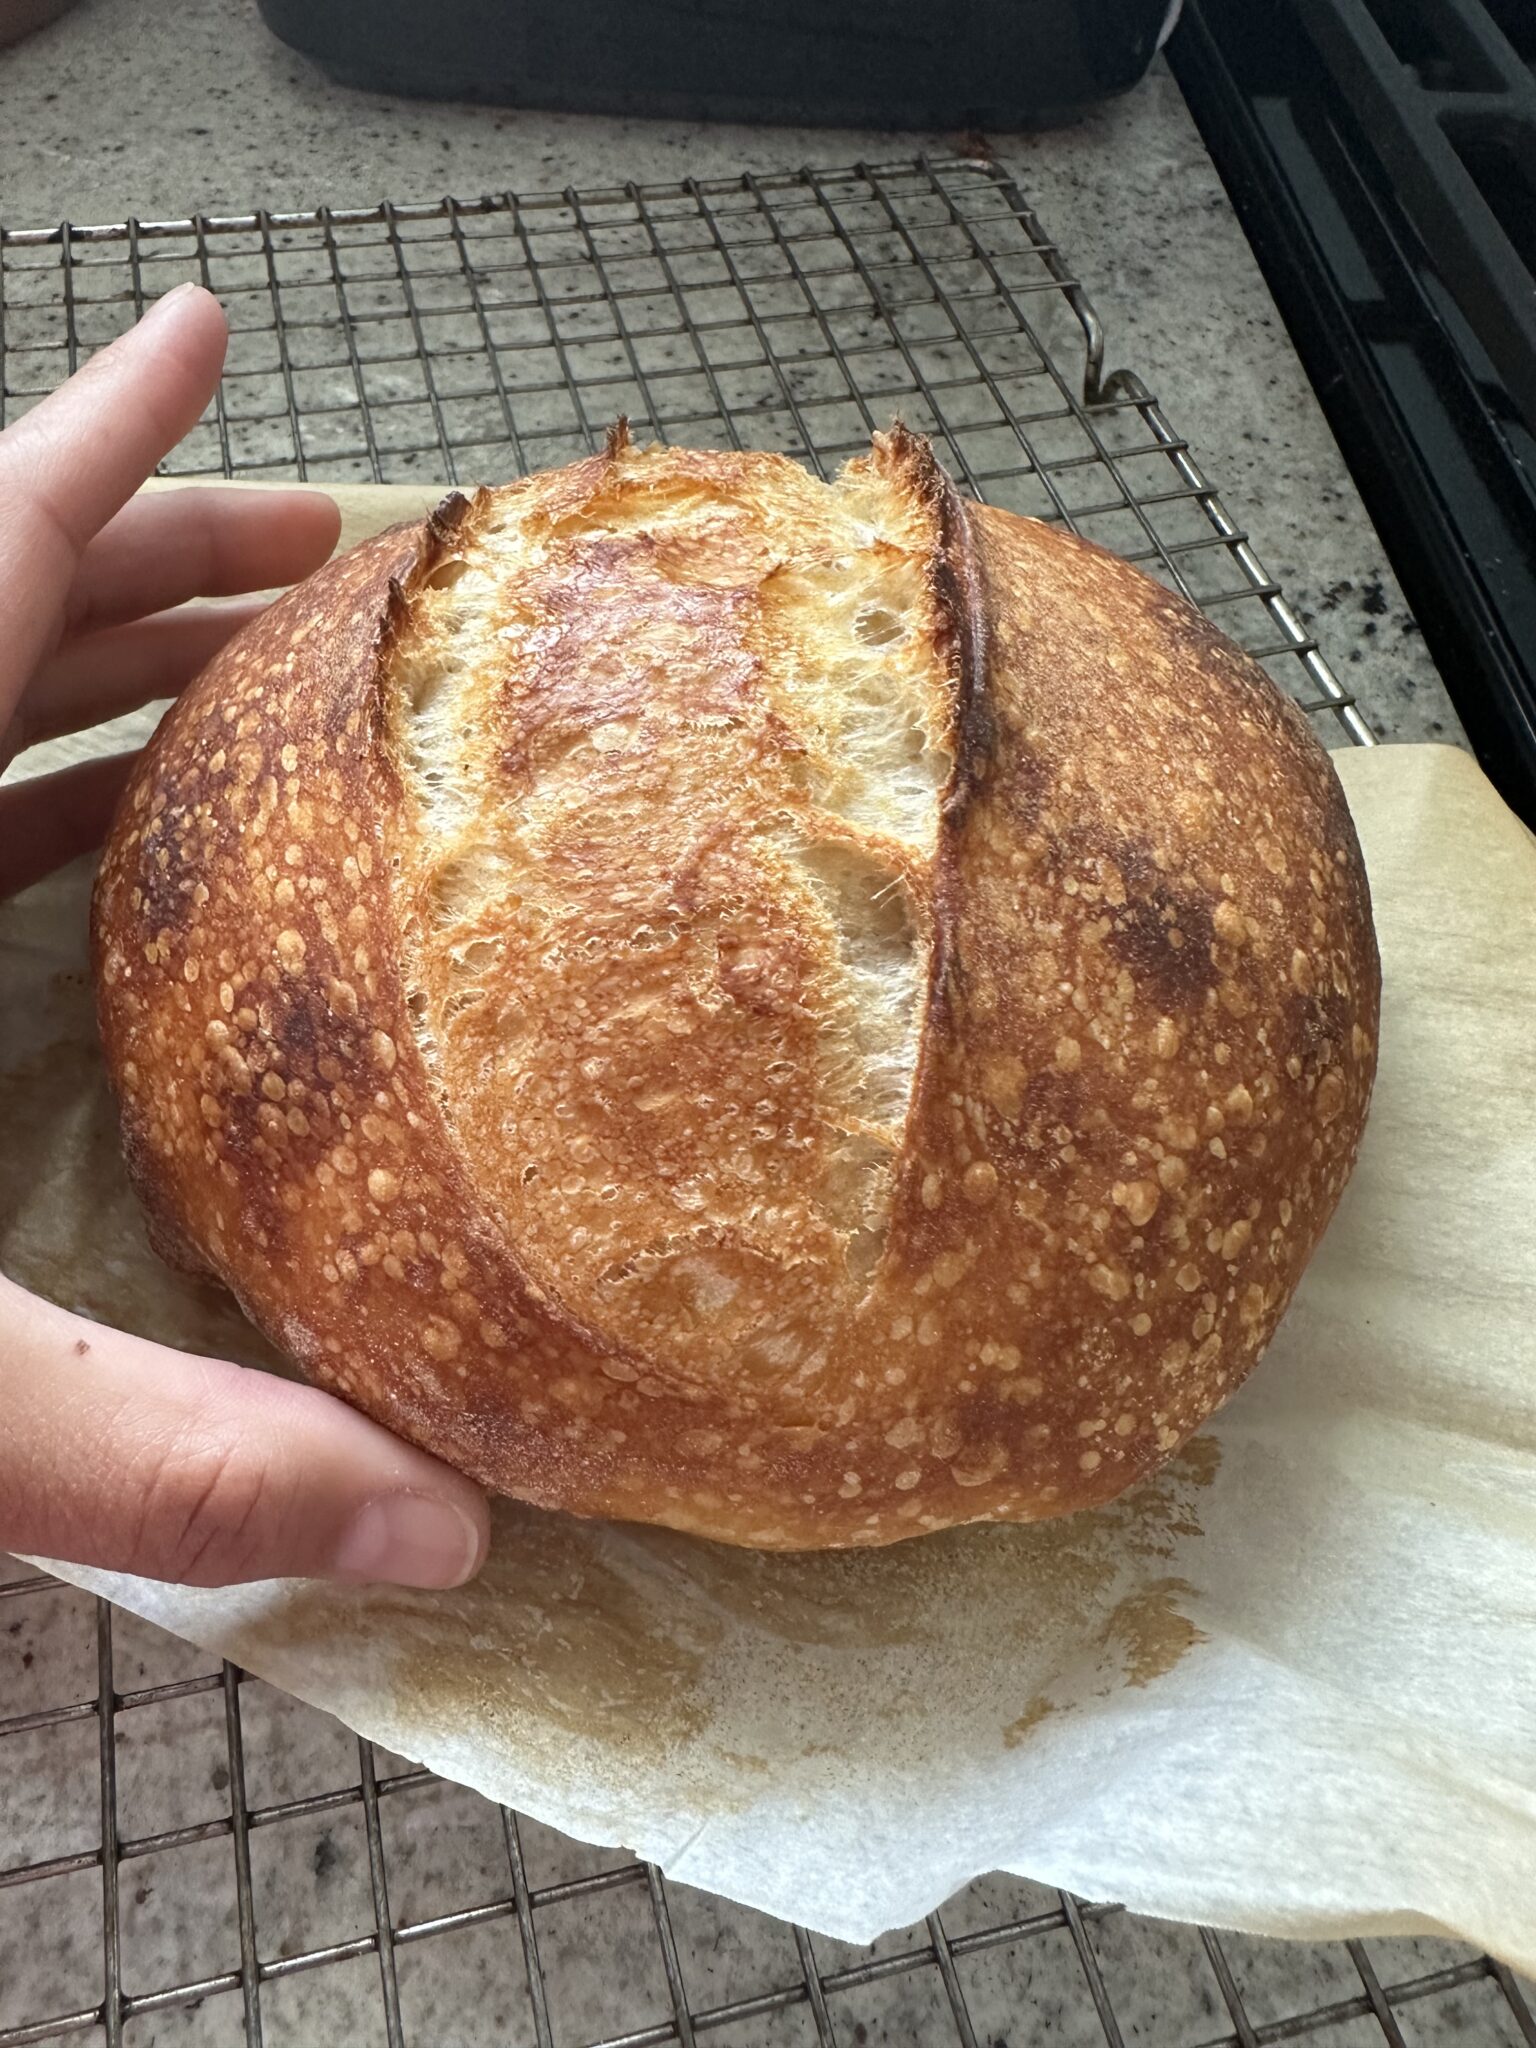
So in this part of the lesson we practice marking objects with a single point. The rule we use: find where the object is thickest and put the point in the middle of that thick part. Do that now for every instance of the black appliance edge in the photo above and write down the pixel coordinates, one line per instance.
(1436, 472)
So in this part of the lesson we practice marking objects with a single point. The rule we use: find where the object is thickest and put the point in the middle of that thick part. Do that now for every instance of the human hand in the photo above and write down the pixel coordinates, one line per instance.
(115, 1451)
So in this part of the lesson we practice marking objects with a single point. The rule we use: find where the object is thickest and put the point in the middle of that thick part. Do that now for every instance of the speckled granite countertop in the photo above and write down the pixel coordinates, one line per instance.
(168, 107)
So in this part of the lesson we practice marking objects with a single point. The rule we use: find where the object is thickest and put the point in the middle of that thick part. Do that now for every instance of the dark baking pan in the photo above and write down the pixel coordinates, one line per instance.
(861, 63)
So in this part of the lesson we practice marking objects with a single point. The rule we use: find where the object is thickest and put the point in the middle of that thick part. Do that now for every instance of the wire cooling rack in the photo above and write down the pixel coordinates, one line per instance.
(187, 1855)
(479, 339)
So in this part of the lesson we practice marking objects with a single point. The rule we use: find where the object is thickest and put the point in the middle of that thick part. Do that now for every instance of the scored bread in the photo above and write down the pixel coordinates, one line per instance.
(806, 1013)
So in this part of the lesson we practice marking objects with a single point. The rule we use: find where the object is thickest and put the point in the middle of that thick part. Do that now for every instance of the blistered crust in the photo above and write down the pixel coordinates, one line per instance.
(1148, 994)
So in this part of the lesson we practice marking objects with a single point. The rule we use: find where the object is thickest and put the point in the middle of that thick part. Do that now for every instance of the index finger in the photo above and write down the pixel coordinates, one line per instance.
(72, 462)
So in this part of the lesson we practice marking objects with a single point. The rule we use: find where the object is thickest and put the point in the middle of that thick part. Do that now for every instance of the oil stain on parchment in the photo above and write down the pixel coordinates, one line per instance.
(1146, 1635)
(916, 1657)
(693, 1675)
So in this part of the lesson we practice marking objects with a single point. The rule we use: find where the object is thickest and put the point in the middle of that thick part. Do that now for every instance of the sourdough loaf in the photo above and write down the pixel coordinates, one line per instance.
(804, 1013)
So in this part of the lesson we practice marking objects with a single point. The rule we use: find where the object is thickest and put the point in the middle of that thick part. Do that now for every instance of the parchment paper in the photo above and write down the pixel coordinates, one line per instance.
(1290, 1687)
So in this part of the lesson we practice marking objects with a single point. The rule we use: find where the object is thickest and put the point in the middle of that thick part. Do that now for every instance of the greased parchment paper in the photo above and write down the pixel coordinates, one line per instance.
(1288, 1687)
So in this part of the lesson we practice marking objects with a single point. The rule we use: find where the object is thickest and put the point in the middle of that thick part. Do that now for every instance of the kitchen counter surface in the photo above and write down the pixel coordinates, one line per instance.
(161, 108)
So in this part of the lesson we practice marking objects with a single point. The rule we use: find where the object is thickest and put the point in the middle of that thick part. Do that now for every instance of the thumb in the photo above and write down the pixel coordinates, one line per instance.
(121, 1453)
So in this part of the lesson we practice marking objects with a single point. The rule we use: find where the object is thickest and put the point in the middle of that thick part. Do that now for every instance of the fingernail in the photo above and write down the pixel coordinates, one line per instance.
(409, 1539)
(171, 298)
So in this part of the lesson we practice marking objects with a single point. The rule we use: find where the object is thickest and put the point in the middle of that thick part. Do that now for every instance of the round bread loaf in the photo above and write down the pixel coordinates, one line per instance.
(807, 1013)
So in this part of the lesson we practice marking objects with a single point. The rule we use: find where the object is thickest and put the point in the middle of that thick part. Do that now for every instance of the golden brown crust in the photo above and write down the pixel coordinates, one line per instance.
(362, 972)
